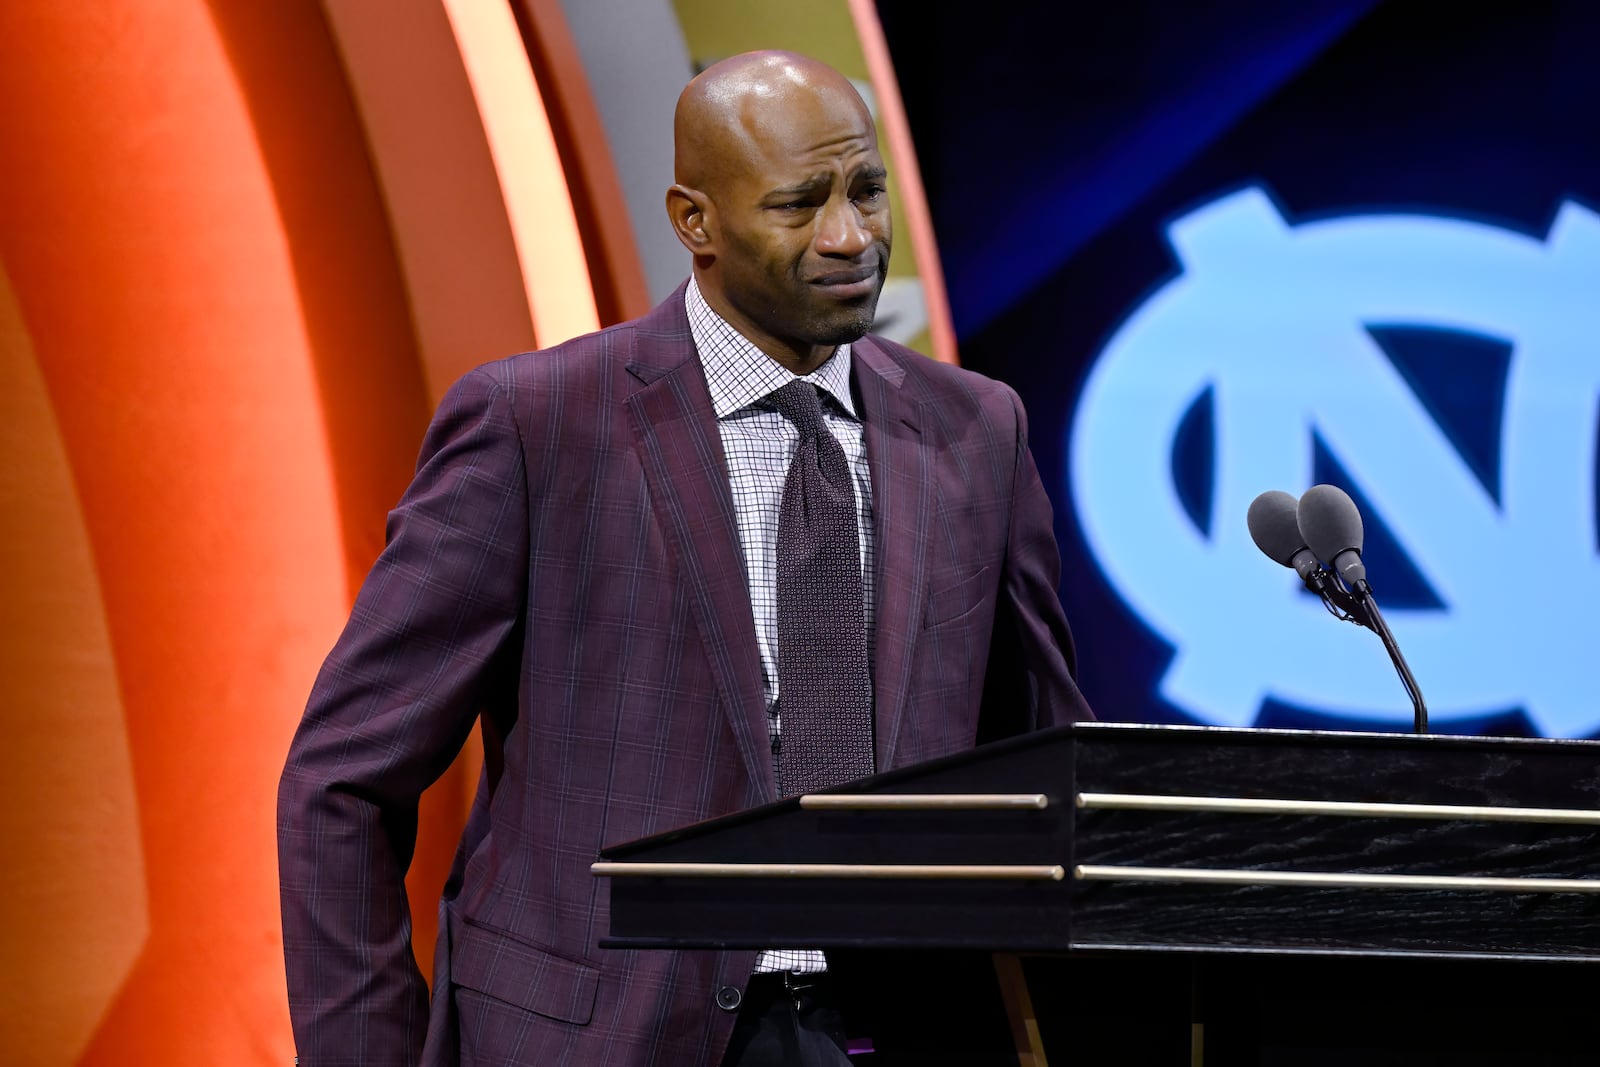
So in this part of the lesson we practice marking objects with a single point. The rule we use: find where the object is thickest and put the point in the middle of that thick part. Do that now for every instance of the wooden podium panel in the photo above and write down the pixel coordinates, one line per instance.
(1507, 831)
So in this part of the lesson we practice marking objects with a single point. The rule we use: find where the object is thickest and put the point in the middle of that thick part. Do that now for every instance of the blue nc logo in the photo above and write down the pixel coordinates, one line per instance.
(1275, 327)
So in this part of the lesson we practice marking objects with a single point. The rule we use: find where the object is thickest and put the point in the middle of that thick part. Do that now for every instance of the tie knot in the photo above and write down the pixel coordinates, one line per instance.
(800, 403)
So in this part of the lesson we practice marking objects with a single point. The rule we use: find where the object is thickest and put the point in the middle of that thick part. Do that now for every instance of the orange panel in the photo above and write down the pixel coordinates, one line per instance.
(374, 392)
(439, 184)
(73, 915)
(197, 249)
(352, 297)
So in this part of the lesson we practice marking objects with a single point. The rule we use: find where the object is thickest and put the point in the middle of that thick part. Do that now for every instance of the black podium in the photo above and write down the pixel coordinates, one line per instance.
(1218, 858)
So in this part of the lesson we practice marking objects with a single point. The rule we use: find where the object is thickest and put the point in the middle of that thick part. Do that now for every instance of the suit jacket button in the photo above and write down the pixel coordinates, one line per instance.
(728, 998)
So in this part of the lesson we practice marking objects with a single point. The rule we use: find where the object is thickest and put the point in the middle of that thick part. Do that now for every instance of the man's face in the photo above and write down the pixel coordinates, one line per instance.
(804, 227)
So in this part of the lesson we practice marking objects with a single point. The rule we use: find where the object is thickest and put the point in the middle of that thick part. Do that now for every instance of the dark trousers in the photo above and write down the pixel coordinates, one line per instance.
(788, 1020)
(891, 1009)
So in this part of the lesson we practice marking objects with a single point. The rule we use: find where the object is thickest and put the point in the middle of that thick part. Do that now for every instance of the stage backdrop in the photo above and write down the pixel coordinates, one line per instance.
(1226, 248)
(1220, 248)
(244, 249)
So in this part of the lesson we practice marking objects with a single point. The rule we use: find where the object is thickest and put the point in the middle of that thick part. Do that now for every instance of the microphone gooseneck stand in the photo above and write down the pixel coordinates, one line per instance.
(1374, 622)
(1361, 608)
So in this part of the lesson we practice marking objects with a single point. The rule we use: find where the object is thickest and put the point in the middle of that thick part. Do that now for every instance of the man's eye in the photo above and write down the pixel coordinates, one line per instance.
(871, 192)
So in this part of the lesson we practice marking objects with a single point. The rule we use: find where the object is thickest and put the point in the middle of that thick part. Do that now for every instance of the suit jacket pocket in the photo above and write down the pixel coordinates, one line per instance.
(499, 965)
(954, 601)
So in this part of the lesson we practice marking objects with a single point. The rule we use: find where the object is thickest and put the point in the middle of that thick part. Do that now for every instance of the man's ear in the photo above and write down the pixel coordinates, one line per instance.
(691, 213)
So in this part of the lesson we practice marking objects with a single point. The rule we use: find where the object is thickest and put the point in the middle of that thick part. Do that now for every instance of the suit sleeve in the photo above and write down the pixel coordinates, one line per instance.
(1030, 604)
(433, 626)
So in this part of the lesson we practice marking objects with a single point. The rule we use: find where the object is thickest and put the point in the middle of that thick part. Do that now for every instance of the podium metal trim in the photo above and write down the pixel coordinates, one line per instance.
(920, 871)
(1265, 806)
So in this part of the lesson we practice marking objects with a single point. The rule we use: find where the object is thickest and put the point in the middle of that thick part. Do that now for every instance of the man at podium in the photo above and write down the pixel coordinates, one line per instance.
(734, 550)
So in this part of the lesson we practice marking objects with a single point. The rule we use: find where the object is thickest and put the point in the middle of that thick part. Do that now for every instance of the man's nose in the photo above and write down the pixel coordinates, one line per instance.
(842, 231)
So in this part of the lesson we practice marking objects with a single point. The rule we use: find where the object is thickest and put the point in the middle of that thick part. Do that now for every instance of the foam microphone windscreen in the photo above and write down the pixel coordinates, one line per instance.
(1274, 525)
(1329, 521)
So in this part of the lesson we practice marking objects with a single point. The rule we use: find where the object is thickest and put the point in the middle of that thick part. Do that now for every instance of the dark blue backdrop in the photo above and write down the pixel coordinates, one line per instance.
(1060, 143)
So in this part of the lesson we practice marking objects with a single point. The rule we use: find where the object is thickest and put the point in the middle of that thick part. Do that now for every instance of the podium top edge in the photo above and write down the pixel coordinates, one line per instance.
(1385, 736)
(1089, 733)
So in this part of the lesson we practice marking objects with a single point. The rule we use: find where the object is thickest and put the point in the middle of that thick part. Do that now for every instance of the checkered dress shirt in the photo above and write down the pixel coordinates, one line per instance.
(759, 444)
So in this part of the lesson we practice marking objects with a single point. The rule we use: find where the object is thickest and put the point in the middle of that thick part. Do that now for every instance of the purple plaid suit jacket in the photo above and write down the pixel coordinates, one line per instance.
(566, 569)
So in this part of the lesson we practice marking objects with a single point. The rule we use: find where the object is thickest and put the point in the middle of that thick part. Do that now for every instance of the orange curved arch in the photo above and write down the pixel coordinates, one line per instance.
(65, 737)
(597, 198)
(532, 181)
(438, 185)
(203, 267)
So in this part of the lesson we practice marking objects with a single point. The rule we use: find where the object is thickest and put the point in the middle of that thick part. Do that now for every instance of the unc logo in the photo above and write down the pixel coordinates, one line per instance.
(1273, 320)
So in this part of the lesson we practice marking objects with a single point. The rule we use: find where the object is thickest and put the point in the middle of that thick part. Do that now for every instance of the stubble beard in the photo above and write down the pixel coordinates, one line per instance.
(850, 330)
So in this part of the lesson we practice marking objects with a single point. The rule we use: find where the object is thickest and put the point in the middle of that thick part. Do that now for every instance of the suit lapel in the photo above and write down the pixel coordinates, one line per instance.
(681, 452)
(902, 505)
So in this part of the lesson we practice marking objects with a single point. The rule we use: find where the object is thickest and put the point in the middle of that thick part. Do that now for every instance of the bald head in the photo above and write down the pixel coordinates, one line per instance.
(781, 197)
(731, 109)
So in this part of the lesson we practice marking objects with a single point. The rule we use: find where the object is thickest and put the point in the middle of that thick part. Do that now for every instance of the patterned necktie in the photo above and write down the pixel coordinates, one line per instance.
(824, 683)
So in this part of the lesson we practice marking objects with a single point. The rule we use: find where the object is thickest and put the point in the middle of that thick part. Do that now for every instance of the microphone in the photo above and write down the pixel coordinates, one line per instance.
(1331, 524)
(1275, 529)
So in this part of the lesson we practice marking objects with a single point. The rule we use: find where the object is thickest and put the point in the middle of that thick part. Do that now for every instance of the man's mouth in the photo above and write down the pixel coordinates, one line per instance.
(849, 284)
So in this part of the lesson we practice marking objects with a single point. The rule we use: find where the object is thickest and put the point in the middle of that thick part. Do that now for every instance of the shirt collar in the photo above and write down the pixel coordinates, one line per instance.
(739, 374)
